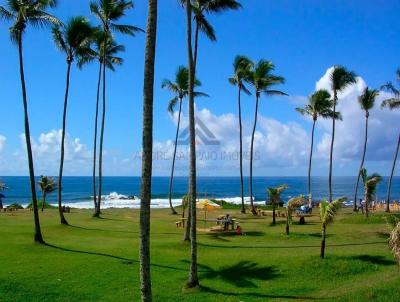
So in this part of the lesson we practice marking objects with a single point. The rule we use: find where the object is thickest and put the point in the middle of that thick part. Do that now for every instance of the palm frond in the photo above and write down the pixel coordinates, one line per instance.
(206, 27)
(172, 104)
(126, 29)
(5, 14)
(367, 98)
(342, 78)
(394, 242)
(391, 103)
(328, 211)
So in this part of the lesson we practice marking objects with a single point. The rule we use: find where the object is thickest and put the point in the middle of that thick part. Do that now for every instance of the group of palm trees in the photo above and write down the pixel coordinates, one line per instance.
(321, 104)
(81, 42)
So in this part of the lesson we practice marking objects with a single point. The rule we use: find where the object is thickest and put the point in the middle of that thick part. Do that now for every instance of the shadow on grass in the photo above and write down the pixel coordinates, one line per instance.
(287, 246)
(379, 260)
(101, 230)
(222, 236)
(258, 295)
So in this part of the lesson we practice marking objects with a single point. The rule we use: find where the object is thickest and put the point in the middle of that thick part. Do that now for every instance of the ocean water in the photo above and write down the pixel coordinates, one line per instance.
(118, 191)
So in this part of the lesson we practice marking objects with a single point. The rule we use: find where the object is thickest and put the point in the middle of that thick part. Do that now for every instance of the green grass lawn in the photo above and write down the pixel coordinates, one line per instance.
(97, 260)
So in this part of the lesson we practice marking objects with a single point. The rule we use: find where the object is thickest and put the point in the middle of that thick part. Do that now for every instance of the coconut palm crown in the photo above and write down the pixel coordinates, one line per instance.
(394, 102)
(319, 105)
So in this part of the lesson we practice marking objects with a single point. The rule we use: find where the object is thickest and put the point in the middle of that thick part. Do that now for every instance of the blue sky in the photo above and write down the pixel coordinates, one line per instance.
(302, 38)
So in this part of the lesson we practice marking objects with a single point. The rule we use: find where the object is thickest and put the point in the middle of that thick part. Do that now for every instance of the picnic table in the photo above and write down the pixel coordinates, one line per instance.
(219, 221)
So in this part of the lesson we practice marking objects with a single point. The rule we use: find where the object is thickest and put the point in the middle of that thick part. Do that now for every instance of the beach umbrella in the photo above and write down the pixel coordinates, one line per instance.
(206, 205)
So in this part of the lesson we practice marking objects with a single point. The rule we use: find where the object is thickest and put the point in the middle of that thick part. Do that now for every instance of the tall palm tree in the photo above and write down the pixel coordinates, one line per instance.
(392, 103)
(370, 182)
(3, 187)
(112, 50)
(319, 105)
(241, 71)
(180, 88)
(328, 212)
(340, 79)
(293, 204)
(367, 102)
(145, 200)
(275, 198)
(47, 185)
(193, 280)
(23, 13)
(262, 79)
(108, 12)
(72, 39)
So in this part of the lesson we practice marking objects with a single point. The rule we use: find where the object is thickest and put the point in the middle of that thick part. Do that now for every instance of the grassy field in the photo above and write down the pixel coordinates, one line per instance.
(97, 260)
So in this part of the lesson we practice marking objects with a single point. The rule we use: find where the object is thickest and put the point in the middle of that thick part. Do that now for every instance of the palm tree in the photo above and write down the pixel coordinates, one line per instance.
(367, 102)
(328, 212)
(73, 39)
(108, 12)
(319, 105)
(370, 182)
(340, 79)
(112, 50)
(392, 103)
(202, 7)
(180, 89)
(3, 187)
(275, 198)
(24, 13)
(148, 89)
(241, 68)
(47, 185)
(262, 79)
(193, 280)
(293, 204)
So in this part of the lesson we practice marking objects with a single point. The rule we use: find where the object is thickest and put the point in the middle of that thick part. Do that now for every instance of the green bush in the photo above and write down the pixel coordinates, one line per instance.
(15, 206)
(40, 204)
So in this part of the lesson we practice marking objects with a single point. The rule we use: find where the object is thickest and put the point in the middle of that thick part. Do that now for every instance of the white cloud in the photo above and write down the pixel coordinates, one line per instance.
(2, 142)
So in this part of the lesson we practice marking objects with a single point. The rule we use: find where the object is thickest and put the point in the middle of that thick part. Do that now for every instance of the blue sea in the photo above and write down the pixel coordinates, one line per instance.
(118, 191)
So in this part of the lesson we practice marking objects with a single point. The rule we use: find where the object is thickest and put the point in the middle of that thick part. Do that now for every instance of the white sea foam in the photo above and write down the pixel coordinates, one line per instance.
(115, 200)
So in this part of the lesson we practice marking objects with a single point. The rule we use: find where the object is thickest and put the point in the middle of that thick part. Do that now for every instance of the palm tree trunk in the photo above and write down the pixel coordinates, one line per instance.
(193, 280)
(241, 149)
(310, 160)
(253, 210)
(173, 158)
(44, 201)
(273, 212)
(95, 136)
(196, 46)
(391, 176)
(60, 174)
(366, 201)
(148, 89)
(287, 223)
(186, 235)
(103, 118)
(38, 233)
(332, 142)
(362, 163)
(323, 241)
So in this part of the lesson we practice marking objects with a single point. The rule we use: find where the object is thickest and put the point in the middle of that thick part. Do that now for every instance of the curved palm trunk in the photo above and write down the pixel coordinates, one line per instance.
(44, 201)
(38, 233)
(60, 174)
(193, 280)
(241, 149)
(95, 136)
(322, 254)
(332, 142)
(98, 208)
(253, 210)
(148, 89)
(391, 176)
(362, 162)
(310, 161)
(173, 159)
